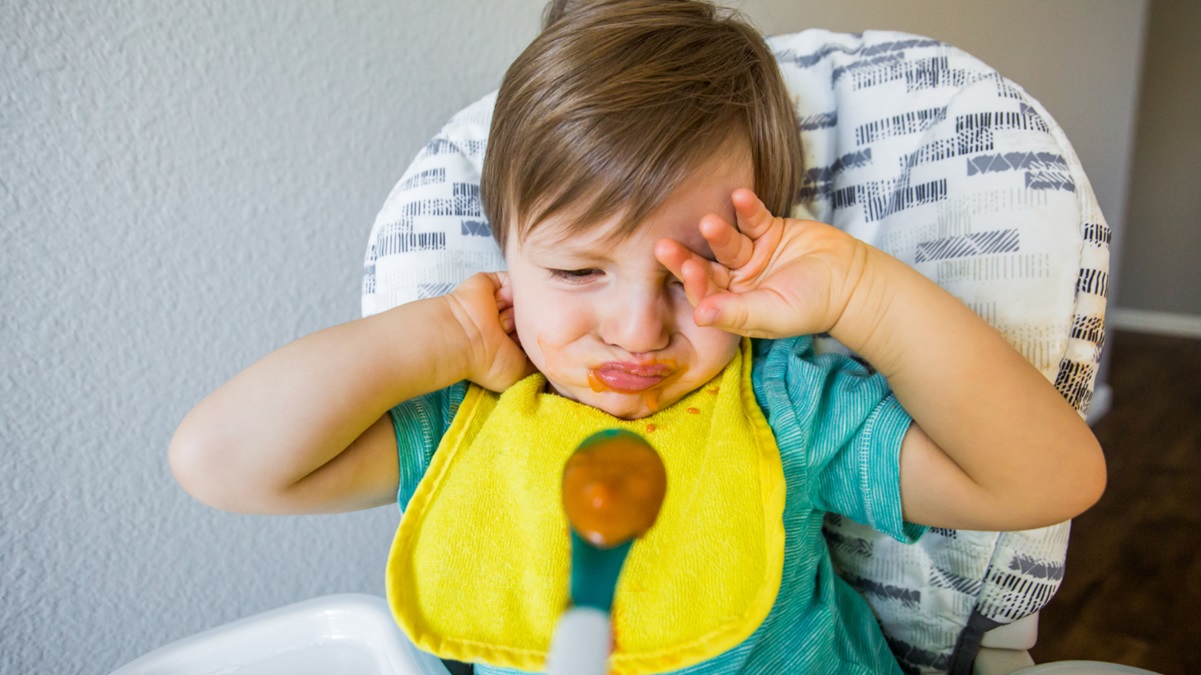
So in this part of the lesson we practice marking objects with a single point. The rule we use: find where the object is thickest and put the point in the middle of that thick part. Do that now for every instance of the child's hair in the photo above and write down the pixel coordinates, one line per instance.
(617, 101)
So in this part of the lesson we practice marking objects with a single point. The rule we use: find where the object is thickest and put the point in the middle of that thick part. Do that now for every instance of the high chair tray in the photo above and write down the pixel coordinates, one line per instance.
(344, 634)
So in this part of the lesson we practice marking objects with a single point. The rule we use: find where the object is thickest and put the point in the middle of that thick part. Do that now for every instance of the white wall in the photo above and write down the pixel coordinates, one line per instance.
(1160, 269)
(185, 186)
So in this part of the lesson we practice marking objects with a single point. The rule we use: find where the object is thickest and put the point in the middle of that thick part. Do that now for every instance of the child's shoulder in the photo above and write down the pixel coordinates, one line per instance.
(761, 348)
(821, 351)
(809, 374)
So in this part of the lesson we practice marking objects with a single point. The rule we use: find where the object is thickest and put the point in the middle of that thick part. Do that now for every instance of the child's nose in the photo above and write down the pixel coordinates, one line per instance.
(639, 322)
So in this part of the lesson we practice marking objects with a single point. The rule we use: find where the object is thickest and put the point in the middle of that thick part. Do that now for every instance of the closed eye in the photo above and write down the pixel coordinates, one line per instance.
(574, 276)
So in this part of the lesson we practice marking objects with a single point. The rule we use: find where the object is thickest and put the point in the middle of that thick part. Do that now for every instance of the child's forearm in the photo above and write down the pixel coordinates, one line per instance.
(1026, 457)
(254, 439)
(994, 446)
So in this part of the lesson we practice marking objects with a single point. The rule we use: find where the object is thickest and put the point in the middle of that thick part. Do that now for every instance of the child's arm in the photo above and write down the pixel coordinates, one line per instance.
(993, 447)
(306, 429)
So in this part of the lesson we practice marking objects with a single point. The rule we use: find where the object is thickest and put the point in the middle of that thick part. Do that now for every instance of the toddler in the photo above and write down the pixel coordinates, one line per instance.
(640, 173)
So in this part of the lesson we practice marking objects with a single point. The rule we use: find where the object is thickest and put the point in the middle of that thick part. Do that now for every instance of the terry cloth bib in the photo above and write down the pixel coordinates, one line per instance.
(480, 567)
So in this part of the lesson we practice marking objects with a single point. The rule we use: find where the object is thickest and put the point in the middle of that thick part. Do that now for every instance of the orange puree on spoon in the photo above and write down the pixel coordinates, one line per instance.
(613, 486)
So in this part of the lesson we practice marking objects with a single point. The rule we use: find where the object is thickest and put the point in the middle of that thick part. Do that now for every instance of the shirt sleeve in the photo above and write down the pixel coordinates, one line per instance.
(839, 429)
(420, 423)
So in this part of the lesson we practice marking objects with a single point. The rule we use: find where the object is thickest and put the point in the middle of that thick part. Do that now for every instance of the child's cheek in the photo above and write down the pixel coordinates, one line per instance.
(553, 360)
(555, 347)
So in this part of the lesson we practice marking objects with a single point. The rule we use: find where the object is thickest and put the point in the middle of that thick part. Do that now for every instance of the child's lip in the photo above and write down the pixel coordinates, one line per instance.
(628, 377)
(635, 368)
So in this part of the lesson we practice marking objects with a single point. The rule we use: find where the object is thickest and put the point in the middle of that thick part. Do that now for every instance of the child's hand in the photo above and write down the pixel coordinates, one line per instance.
(483, 306)
(773, 277)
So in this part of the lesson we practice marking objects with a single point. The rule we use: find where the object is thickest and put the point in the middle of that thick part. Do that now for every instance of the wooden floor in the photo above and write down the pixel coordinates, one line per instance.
(1132, 589)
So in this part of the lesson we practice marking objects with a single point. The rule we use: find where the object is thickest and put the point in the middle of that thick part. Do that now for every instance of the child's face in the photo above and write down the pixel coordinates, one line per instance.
(604, 321)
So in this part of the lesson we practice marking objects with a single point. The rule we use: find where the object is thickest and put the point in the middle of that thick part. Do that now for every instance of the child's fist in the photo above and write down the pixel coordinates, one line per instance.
(483, 307)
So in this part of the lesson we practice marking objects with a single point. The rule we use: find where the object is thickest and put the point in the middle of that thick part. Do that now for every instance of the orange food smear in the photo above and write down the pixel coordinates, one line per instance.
(595, 382)
(650, 396)
(652, 399)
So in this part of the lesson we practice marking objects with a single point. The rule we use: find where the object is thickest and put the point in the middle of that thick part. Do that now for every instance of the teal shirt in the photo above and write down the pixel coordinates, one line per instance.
(839, 430)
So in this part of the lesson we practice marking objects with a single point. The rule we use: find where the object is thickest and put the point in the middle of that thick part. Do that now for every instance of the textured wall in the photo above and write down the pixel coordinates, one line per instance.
(1160, 261)
(185, 186)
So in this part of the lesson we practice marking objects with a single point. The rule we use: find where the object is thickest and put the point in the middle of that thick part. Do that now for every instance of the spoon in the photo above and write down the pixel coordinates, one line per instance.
(613, 487)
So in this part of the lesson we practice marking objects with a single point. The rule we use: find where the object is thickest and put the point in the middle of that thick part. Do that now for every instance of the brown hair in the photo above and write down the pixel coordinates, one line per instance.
(616, 101)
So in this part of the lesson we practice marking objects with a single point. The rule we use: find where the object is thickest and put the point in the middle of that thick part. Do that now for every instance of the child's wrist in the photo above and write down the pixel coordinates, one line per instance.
(864, 324)
(461, 340)
(426, 332)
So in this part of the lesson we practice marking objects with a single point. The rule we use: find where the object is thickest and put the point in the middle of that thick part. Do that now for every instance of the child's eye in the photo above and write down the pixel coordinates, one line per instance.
(575, 276)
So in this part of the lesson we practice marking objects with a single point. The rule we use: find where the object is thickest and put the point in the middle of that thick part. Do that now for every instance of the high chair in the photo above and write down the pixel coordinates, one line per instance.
(933, 156)
(911, 145)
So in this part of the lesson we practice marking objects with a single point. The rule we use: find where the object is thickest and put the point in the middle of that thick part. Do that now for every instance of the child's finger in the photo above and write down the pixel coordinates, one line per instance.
(700, 277)
(504, 301)
(730, 247)
(508, 322)
(699, 281)
(753, 217)
(504, 292)
(752, 314)
(671, 255)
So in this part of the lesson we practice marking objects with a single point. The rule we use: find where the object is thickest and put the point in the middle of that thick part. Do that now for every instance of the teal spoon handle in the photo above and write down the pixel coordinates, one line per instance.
(594, 572)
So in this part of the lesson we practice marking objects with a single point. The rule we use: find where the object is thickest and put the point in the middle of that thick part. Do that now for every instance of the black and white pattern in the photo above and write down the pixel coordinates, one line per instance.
(931, 155)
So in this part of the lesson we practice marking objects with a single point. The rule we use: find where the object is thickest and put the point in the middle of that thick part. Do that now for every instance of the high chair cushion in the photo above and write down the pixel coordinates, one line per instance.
(931, 155)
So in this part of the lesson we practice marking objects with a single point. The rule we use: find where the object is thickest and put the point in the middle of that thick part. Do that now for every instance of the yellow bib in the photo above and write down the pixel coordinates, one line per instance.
(479, 569)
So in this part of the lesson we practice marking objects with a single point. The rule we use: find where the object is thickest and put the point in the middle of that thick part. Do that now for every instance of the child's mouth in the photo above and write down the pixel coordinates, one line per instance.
(627, 377)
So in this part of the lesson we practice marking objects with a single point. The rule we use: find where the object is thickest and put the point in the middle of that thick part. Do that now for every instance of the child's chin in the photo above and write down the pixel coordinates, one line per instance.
(630, 406)
(626, 406)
